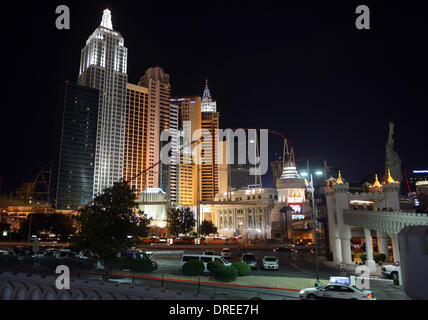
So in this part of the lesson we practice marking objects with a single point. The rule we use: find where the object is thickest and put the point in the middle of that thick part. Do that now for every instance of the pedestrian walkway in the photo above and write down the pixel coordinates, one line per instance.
(282, 283)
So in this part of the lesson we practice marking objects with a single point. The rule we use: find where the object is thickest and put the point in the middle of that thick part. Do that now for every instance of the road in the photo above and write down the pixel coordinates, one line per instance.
(302, 266)
(297, 267)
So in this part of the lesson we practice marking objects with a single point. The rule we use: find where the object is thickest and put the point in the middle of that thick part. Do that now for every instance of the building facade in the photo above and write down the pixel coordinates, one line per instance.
(74, 159)
(208, 161)
(246, 214)
(375, 213)
(103, 65)
(190, 121)
(162, 116)
(136, 137)
(153, 202)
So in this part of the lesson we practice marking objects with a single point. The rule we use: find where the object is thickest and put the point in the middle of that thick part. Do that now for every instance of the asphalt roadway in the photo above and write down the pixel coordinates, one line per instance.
(301, 266)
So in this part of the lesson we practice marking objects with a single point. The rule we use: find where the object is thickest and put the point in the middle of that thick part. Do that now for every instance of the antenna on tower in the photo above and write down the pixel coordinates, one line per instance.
(106, 21)
(287, 154)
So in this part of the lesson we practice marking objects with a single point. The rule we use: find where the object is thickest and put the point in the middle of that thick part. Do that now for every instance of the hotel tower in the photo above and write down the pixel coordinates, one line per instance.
(103, 65)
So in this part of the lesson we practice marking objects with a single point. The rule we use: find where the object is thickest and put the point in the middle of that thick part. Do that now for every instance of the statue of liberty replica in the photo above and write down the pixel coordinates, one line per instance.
(392, 159)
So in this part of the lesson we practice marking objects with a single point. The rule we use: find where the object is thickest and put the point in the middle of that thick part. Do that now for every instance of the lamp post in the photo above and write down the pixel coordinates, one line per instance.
(315, 218)
(29, 232)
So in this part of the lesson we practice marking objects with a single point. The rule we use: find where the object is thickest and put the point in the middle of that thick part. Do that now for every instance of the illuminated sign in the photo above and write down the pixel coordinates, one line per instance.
(297, 208)
(340, 280)
(360, 202)
(420, 171)
(296, 197)
(297, 217)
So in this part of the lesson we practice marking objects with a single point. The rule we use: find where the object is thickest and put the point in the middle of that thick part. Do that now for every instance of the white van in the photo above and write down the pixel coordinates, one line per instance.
(204, 258)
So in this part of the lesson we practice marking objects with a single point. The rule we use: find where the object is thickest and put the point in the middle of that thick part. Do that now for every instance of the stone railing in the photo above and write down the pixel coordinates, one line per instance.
(390, 222)
(20, 286)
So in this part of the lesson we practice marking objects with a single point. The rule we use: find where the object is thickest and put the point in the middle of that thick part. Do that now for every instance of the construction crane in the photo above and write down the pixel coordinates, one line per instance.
(38, 188)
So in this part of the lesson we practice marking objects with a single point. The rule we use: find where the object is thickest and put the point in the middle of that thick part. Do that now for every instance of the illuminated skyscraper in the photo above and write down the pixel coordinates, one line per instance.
(209, 165)
(208, 105)
(74, 155)
(103, 66)
(136, 137)
(190, 121)
(162, 116)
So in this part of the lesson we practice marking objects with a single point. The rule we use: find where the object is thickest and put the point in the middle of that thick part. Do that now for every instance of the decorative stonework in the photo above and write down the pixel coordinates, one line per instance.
(389, 222)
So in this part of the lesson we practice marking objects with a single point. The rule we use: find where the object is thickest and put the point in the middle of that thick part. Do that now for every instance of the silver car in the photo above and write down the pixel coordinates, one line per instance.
(270, 263)
(250, 259)
(335, 292)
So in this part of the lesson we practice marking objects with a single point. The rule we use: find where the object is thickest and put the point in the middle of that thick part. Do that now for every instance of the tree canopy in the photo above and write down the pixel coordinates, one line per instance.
(207, 227)
(111, 224)
(56, 223)
(180, 221)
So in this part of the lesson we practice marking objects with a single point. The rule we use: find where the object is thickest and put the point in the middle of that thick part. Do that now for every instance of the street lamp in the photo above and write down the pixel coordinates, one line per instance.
(315, 217)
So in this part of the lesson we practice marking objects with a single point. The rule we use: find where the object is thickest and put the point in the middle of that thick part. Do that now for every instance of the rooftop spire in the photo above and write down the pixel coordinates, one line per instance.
(377, 183)
(106, 21)
(339, 179)
(390, 179)
(207, 95)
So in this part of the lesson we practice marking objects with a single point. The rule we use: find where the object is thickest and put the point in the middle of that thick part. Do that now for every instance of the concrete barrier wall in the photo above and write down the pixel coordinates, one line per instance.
(413, 243)
(35, 287)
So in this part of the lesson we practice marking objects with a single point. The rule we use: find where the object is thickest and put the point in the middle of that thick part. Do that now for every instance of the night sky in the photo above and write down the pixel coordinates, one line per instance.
(300, 69)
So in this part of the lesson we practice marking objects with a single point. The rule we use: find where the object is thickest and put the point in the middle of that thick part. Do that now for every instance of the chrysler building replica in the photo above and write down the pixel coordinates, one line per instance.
(103, 66)
(208, 105)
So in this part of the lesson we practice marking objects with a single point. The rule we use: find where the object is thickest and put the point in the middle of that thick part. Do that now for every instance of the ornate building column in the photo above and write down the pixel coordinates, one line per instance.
(395, 247)
(382, 243)
(332, 227)
(341, 191)
(371, 264)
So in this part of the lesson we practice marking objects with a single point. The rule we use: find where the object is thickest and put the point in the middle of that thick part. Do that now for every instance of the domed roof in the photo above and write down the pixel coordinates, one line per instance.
(290, 178)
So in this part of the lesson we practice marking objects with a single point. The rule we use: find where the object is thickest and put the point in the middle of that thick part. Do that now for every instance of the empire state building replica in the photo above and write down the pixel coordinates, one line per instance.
(103, 66)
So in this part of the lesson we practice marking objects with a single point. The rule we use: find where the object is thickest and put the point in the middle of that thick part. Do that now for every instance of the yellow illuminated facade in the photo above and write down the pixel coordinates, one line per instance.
(136, 137)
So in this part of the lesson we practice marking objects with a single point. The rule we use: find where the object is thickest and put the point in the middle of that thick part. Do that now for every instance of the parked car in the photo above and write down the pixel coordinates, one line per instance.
(7, 253)
(270, 263)
(226, 253)
(391, 271)
(50, 253)
(64, 254)
(283, 250)
(204, 258)
(250, 259)
(209, 253)
(336, 291)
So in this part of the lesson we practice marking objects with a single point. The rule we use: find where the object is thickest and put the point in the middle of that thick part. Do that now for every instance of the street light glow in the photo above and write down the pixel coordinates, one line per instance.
(304, 174)
(319, 173)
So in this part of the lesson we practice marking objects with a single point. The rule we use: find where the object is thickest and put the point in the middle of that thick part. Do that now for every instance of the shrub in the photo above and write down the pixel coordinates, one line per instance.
(212, 266)
(8, 261)
(242, 268)
(226, 274)
(396, 282)
(143, 266)
(193, 268)
(379, 257)
(72, 264)
(50, 263)
(27, 261)
(363, 257)
(87, 264)
(329, 256)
